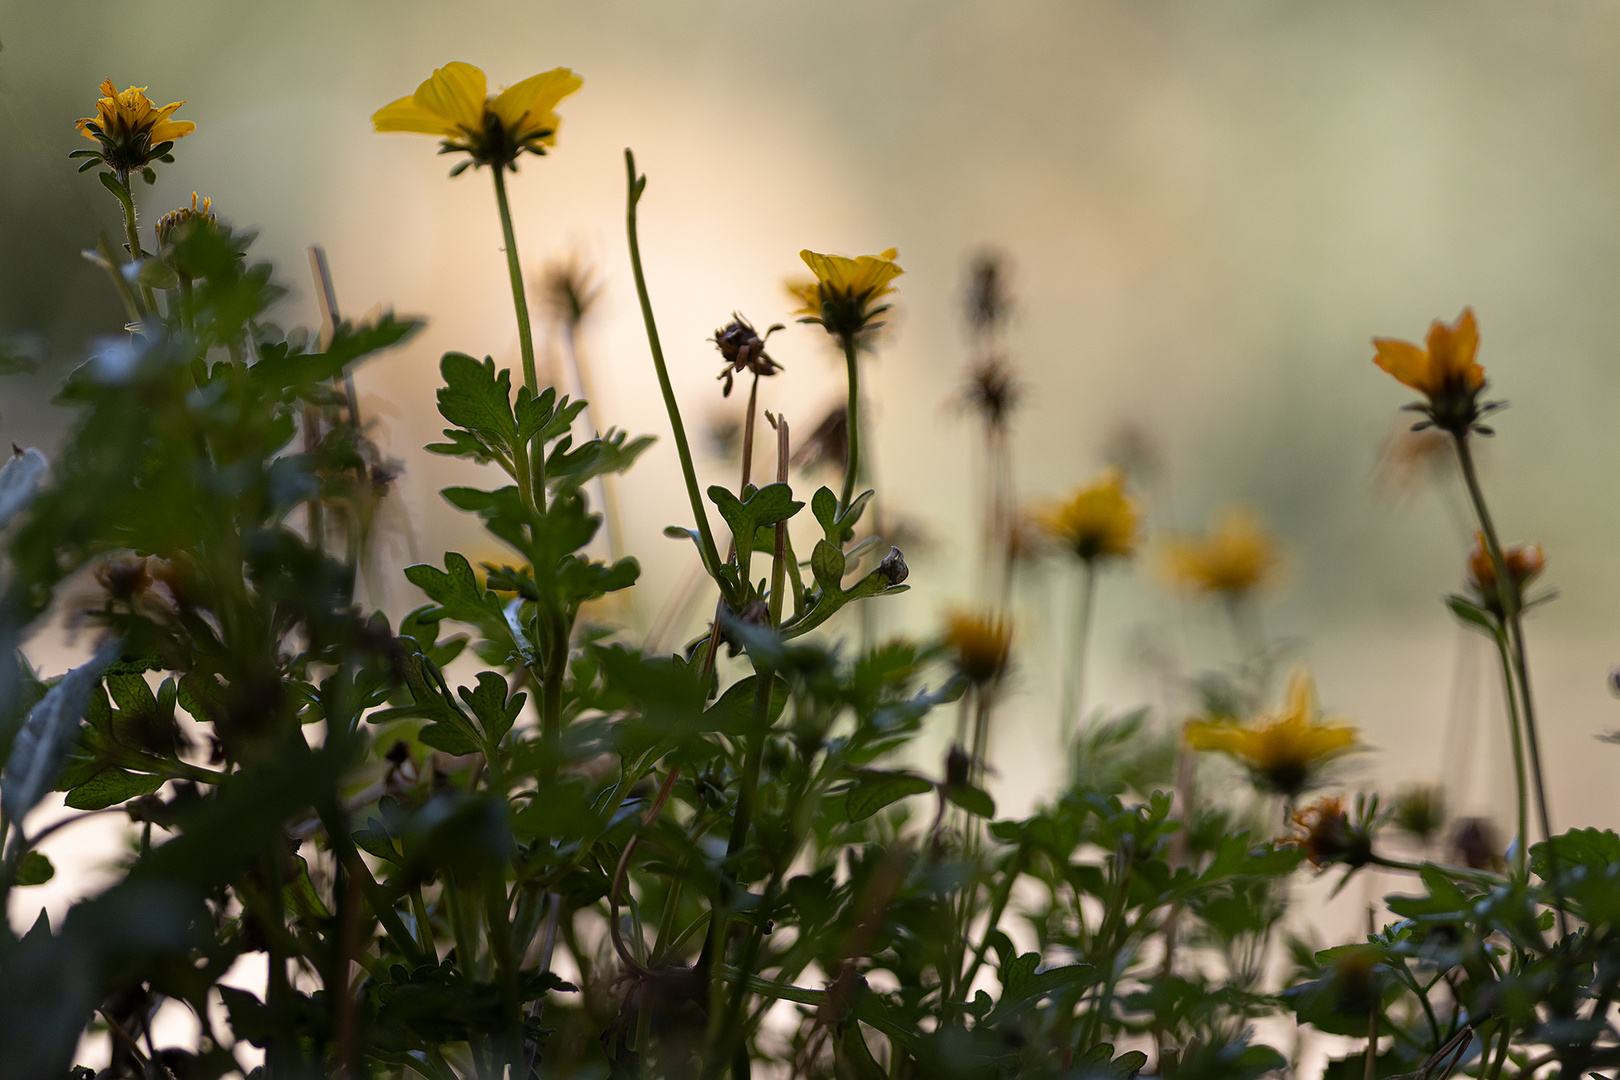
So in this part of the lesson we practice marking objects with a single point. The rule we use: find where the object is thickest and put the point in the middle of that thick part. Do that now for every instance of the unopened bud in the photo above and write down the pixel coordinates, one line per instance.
(893, 567)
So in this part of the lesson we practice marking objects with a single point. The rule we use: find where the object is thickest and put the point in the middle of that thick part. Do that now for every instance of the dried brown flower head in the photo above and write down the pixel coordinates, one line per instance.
(743, 349)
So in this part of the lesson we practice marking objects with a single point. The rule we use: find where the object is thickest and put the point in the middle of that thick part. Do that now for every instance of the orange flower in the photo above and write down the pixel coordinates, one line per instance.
(1446, 372)
(1097, 521)
(1524, 563)
(1324, 830)
(1237, 556)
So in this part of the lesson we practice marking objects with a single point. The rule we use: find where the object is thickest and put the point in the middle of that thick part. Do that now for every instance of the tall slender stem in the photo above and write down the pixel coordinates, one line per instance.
(1075, 681)
(520, 299)
(852, 423)
(711, 556)
(126, 199)
(1520, 784)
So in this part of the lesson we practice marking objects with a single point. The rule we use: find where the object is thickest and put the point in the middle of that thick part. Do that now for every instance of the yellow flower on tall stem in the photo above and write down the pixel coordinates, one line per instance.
(491, 129)
(132, 132)
(1096, 523)
(1282, 750)
(982, 647)
(843, 299)
(1445, 372)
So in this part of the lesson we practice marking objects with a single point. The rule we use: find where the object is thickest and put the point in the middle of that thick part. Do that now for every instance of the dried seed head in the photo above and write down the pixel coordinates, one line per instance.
(992, 391)
(988, 302)
(743, 349)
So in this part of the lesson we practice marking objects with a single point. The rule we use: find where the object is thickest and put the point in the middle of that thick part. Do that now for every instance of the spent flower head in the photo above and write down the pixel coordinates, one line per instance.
(982, 644)
(131, 132)
(1444, 371)
(1524, 564)
(844, 296)
(743, 349)
(491, 129)
(169, 225)
(1237, 556)
(992, 392)
(1283, 750)
(1420, 811)
(988, 300)
(1098, 521)
(568, 289)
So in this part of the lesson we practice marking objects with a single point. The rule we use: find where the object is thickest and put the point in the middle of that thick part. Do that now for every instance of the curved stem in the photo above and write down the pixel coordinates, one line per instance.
(852, 424)
(126, 199)
(711, 556)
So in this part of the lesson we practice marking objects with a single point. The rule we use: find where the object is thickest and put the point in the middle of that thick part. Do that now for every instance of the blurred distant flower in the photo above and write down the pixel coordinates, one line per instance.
(1282, 749)
(1411, 458)
(844, 296)
(743, 349)
(493, 130)
(988, 300)
(1136, 451)
(1445, 372)
(828, 444)
(1328, 836)
(992, 391)
(982, 644)
(1478, 845)
(169, 224)
(1239, 555)
(568, 288)
(1524, 563)
(131, 131)
(1098, 521)
(1420, 811)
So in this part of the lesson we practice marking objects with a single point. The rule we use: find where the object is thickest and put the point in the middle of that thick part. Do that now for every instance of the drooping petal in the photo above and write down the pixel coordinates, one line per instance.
(525, 109)
(406, 115)
(1409, 364)
(456, 92)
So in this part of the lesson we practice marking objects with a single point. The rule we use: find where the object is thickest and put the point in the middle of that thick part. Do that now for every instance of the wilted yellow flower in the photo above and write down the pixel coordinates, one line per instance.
(455, 104)
(1445, 372)
(843, 296)
(168, 223)
(131, 130)
(982, 644)
(1237, 556)
(1282, 749)
(1098, 521)
(1524, 563)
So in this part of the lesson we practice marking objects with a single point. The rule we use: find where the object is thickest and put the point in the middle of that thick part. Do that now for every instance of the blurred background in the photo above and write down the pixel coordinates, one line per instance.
(1207, 211)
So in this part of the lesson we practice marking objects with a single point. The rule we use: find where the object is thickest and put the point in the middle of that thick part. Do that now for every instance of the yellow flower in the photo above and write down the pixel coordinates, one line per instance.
(1445, 372)
(456, 105)
(131, 130)
(1237, 556)
(1098, 521)
(843, 295)
(1282, 749)
(982, 644)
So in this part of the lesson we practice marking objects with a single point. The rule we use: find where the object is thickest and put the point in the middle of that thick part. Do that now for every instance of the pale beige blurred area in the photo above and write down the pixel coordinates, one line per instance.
(1210, 208)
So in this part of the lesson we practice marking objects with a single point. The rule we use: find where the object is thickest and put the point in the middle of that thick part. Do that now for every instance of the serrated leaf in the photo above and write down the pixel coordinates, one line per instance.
(488, 703)
(451, 738)
(477, 397)
(48, 735)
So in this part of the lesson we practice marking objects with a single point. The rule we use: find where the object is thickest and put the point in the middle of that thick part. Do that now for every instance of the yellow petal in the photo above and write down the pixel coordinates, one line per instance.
(1409, 364)
(172, 129)
(108, 89)
(406, 115)
(526, 108)
(1204, 735)
(456, 92)
(1301, 697)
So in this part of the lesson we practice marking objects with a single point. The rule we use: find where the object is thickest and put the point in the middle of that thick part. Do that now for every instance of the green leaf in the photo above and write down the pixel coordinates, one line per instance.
(109, 787)
(34, 869)
(488, 703)
(42, 745)
(975, 801)
(759, 506)
(455, 589)
(476, 397)
(451, 738)
(1471, 613)
(875, 789)
(827, 564)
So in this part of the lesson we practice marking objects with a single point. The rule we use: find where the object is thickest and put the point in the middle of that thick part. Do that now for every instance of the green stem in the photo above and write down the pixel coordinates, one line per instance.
(711, 555)
(1074, 696)
(852, 423)
(520, 300)
(1521, 849)
(126, 199)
